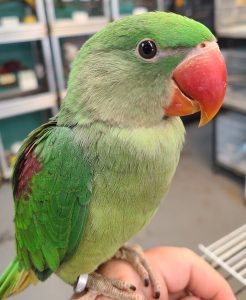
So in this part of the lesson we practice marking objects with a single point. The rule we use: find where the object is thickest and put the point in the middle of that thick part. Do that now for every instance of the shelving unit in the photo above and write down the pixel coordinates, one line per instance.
(33, 101)
(68, 28)
(235, 101)
(22, 33)
(229, 128)
(229, 135)
(122, 8)
(18, 106)
(230, 18)
(230, 142)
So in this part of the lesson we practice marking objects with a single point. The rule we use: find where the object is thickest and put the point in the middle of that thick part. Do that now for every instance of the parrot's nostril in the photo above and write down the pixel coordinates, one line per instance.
(202, 45)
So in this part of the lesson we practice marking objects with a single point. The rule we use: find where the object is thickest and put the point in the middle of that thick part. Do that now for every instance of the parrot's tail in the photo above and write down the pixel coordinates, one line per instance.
(14, 280)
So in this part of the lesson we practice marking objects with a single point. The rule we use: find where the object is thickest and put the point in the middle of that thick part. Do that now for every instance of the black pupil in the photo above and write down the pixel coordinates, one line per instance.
(147, 49)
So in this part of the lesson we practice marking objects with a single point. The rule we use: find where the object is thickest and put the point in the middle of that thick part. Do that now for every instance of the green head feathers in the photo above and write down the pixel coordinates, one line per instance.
(169, 30)
(110, 82)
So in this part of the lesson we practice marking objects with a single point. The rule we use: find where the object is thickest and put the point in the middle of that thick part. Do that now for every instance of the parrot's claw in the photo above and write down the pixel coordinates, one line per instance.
(135, 256)
(97, 285)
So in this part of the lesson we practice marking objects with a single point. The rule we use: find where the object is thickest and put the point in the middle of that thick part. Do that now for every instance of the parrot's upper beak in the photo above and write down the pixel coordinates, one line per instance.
(199, 83)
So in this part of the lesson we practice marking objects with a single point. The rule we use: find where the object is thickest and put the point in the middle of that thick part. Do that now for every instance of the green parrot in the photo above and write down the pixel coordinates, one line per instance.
(93, 176)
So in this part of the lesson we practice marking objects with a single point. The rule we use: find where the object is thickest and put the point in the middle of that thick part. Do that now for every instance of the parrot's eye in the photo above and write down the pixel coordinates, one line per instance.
(147, 49)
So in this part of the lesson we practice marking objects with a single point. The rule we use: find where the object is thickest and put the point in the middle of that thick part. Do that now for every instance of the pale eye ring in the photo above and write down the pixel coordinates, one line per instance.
(147, 49)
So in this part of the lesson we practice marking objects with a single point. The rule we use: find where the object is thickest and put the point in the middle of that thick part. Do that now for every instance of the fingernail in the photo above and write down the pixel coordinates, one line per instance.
(146, 282)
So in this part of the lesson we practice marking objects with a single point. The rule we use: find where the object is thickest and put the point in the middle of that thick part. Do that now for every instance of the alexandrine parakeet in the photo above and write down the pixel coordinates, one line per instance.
(93, 176)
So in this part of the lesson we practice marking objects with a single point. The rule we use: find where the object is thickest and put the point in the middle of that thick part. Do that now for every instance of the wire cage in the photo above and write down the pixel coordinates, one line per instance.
(228, 256)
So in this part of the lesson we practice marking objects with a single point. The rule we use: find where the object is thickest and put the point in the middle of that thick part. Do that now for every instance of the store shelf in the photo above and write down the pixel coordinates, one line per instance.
(69, 27)
(230, 144)
(18, 106)
(235, 100)
(22, 33)
(232, 32)
(238, 167)
(230, 18)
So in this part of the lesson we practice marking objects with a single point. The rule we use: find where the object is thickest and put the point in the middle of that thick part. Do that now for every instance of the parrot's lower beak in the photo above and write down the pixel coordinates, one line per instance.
(199, 83)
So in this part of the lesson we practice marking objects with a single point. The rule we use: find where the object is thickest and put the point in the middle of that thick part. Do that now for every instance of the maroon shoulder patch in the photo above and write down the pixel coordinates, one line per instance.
(27, 169)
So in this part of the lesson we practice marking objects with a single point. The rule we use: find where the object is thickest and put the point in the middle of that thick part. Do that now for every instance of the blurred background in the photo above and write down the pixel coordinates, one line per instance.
(38, 41)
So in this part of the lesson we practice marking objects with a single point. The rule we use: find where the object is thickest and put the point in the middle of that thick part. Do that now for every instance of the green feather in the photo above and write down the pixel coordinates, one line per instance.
(51, 256)
(49, 223)
(38, 260)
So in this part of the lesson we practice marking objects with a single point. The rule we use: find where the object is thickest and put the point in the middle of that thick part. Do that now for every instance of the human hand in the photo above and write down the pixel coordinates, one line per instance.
(182, 275)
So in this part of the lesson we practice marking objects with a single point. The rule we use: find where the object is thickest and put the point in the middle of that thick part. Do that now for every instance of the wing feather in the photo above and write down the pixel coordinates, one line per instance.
(51, 184)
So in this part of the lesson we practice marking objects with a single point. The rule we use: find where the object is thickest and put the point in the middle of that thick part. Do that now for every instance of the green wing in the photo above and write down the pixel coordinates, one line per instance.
(51, 184)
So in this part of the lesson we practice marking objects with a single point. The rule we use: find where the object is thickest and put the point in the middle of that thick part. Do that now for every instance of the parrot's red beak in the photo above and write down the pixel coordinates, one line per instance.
(199, 83)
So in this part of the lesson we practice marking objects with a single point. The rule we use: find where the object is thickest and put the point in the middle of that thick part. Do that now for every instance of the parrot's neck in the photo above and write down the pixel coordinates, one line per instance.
(142, 144)
(72, 113)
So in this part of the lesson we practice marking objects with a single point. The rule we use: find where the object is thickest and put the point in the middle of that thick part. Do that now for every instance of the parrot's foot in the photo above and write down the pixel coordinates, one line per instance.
(135, 256)
(96, 285)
